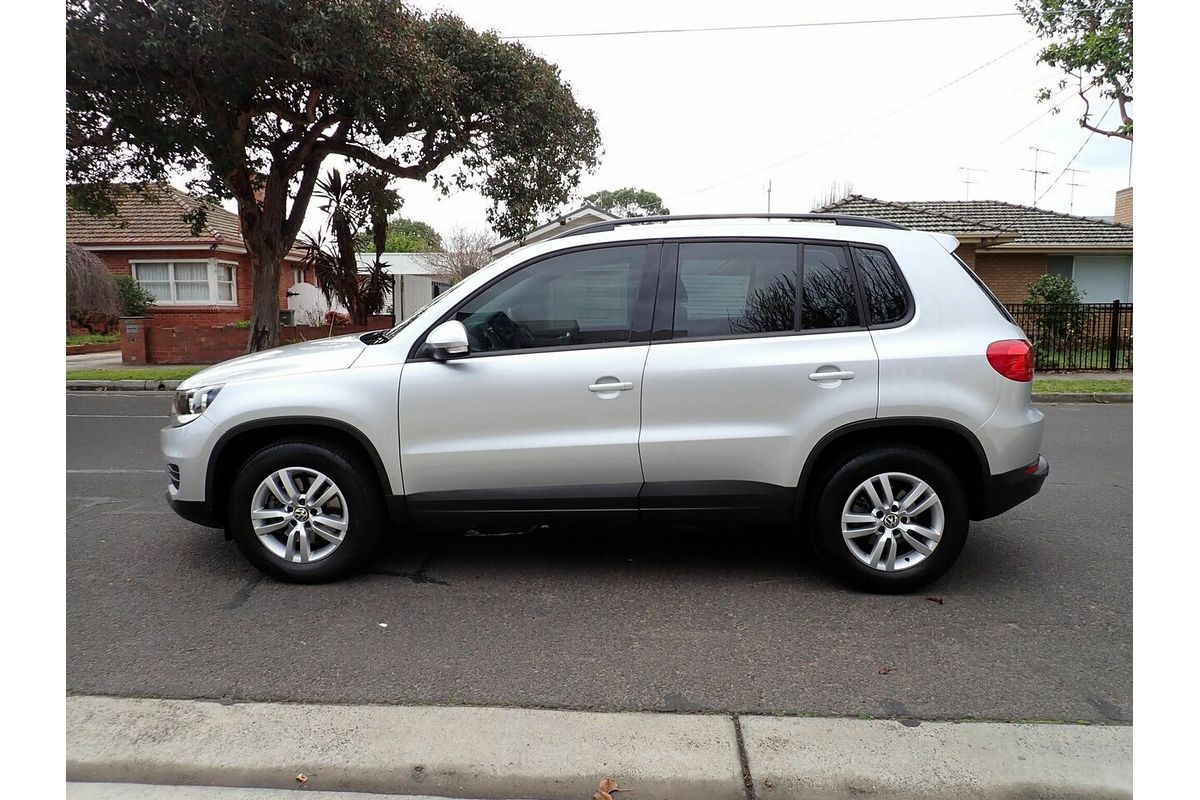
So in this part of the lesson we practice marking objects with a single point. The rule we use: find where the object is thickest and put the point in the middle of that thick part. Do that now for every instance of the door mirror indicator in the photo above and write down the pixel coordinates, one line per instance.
(447, 341)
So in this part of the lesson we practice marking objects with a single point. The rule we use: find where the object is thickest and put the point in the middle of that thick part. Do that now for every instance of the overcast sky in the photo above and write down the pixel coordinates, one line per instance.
(707, 119)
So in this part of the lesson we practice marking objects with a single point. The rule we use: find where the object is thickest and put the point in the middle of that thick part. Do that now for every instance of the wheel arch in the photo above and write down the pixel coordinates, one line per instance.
(240, 442)
(951, 442)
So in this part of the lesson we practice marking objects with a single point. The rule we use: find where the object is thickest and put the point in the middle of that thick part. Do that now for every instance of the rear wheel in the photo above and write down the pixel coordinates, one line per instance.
(302, 512)
(890, 519)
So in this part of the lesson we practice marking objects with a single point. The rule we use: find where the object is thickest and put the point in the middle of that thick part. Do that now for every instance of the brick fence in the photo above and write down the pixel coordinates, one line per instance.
(146, 340)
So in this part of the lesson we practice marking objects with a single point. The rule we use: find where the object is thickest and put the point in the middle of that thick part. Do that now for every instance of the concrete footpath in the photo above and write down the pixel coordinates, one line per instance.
(472, 752)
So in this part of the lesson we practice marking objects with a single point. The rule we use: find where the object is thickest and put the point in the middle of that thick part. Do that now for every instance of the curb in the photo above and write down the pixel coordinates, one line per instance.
(124, 386)
(1088, 397)
(562, 755)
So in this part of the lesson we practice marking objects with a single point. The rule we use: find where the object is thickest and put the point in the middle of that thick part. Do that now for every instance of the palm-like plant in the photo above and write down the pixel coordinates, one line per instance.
(357, 204)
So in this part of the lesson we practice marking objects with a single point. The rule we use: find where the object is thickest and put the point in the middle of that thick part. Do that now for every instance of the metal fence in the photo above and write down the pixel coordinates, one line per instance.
(1097, 336)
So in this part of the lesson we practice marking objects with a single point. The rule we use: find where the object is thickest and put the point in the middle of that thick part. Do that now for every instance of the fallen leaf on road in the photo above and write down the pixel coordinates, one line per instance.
(383, 624)
(302, 778)
(608, 786)
(884, 670)
(601, 796)
(937, 600)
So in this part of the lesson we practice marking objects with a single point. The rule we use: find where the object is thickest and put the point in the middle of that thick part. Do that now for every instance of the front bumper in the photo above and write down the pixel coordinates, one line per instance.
(197, 511)
(1002, 492)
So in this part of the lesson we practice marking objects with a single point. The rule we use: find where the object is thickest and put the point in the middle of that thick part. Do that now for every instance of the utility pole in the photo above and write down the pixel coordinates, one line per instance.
(967, 181)
(1073, 184)
(769, 196)
(1036, 171)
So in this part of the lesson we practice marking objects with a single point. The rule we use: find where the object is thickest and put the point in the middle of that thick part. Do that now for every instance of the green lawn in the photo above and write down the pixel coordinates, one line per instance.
(147, 373)
(1083, 385)
(92, 338)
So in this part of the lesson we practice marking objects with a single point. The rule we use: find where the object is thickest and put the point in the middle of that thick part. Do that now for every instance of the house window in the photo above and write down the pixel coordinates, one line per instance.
(298, 275)
(181, 283)
(1101, 279)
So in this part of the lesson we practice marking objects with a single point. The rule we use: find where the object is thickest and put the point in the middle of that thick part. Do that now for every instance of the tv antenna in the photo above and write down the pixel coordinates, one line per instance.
(1036, 171)
(769, 196)
(1072, 183)
(967, 181)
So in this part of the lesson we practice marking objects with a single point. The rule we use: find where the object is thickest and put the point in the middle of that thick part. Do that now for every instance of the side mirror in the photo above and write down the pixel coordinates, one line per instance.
(447, 341)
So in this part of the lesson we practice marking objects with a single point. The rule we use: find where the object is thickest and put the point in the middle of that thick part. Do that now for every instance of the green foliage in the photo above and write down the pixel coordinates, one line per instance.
(251, 97)
(1092, 42)
(406, 236)
(1056, 314)
(628, 202)
(1053, 289)
(92, 338)
(241, 325)
(135, 300)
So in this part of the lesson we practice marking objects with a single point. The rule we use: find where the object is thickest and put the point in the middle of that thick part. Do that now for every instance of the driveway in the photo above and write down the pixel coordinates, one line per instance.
(1033, 623)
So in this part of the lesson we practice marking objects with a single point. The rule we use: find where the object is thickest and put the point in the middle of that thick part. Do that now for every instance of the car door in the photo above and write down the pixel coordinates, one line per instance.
(544, 412)
(758, 351)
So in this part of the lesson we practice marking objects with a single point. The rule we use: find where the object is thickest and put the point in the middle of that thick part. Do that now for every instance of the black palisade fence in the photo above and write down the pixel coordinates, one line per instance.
(1078, 336)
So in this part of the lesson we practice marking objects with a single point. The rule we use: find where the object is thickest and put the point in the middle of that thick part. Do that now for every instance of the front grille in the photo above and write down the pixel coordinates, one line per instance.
(173, 472)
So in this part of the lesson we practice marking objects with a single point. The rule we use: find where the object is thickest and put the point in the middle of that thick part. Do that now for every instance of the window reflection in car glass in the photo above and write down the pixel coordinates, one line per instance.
(882, 286)
(730, 288)
(828, 291)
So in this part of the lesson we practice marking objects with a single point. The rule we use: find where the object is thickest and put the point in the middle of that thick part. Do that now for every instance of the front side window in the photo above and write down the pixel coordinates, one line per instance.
(188, 282)
(735, 288)
(582, 298)
(882, 286)
(827, 296)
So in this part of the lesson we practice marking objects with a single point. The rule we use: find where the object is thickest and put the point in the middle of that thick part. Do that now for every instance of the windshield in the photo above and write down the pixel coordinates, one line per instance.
(387, 336)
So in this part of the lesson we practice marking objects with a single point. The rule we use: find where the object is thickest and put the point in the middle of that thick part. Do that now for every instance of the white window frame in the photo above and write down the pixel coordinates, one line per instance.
(212, 279)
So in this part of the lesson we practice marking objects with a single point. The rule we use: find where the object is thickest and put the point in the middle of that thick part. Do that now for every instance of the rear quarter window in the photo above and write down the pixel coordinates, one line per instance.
(886, 295)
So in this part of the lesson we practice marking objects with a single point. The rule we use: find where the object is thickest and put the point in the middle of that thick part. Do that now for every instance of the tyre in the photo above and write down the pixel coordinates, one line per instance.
(305, 512)
(890, 519)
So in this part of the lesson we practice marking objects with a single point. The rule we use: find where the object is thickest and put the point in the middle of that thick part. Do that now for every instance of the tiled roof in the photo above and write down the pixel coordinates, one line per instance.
(1025, 226)
(156, 218)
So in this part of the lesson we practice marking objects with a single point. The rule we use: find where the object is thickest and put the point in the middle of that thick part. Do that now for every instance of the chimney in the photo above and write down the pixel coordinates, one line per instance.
(1123, 211)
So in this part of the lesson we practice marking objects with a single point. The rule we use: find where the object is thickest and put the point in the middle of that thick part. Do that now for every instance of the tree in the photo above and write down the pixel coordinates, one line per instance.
(466, 252)
(629, 202)
(1092, 42)
(406, 236)
(92, 297)
(358, 207)
(253, 95)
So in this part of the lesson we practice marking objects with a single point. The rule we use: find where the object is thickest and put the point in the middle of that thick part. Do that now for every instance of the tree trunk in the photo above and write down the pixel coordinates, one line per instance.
(264, 303)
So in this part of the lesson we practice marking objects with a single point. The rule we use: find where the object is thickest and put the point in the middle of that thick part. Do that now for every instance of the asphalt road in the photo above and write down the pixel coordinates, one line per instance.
(1034, 624)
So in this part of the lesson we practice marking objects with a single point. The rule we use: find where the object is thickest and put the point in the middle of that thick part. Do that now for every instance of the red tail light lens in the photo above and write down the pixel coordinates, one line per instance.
(1012, 358)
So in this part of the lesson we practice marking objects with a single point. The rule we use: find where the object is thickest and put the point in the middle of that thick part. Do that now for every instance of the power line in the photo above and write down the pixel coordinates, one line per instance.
(841, 134)
(718, 28)
(1077, 152)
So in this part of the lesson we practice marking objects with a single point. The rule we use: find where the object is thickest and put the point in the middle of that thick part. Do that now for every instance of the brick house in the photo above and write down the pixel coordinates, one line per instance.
(202, 280)
(1010, 245)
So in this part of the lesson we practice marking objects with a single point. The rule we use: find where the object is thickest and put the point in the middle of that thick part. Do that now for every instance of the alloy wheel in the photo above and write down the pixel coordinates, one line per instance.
(892, 521)
(299, 515)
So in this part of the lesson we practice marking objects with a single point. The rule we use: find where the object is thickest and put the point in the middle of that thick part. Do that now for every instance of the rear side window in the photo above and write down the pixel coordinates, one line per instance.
(883, 287)
(827, 299)
(735, 288)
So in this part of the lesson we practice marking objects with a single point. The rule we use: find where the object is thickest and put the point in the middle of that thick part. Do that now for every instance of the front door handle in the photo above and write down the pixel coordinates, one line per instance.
(843, 375)
(612, 386)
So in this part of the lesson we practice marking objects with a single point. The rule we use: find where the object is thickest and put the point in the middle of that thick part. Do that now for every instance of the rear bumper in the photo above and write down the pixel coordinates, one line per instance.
(1002, 492)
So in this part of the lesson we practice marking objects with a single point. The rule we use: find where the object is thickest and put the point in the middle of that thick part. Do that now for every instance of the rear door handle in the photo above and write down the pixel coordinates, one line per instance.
(844, 375)
(615, 386)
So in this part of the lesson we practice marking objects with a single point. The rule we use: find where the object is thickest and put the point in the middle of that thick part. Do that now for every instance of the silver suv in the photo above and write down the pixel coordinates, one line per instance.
(843, 376)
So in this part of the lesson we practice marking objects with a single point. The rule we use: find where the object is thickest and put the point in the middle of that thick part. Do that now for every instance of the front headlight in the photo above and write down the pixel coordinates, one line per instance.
(191, 403)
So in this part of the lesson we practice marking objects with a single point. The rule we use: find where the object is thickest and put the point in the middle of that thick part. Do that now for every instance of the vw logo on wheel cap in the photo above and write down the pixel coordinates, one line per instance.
(301, 513)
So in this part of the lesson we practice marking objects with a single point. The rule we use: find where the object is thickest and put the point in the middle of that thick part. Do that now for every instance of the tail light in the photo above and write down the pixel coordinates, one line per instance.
(1012, 358)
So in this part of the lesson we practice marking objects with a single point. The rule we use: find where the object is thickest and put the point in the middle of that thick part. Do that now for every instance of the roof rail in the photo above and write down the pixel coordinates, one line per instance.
(838, 219)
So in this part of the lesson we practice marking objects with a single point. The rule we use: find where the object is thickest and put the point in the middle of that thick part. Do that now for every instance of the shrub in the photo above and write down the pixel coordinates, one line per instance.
(337, 319)
(1057, 289)
(1057, 315)
(135, 300)
(241, 325)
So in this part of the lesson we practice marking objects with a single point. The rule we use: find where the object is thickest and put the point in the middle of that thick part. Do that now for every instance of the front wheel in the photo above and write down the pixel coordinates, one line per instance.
(890, 519)
(303, 512)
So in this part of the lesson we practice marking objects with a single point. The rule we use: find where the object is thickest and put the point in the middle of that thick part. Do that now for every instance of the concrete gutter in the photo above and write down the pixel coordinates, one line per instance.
(124, 386)
(506, 752)
(1088, 397)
